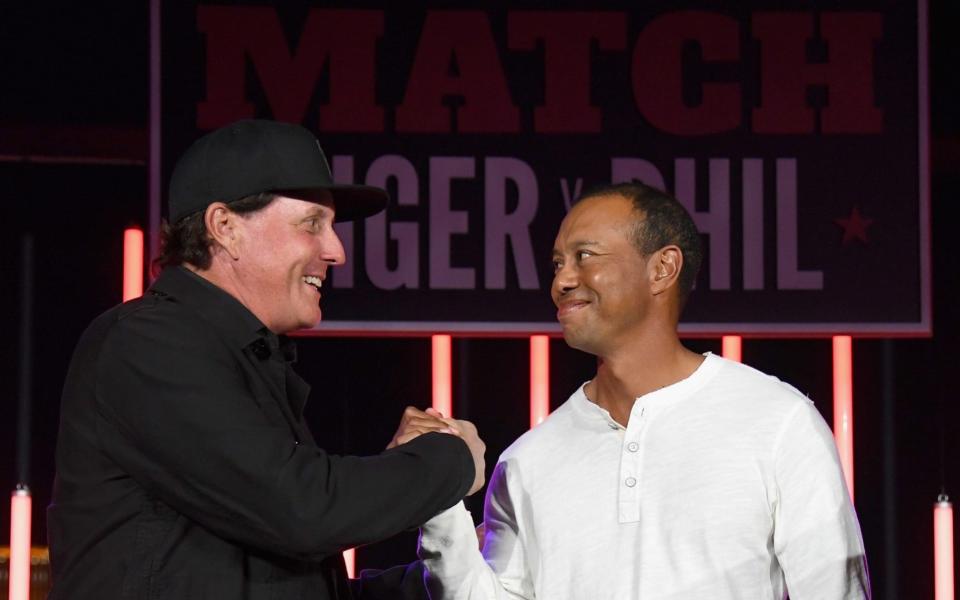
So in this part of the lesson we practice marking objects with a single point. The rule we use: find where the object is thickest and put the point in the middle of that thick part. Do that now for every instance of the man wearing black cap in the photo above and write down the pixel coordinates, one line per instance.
(184, 466)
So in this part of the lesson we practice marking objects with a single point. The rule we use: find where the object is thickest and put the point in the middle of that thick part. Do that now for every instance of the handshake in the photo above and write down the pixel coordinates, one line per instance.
(416, 422)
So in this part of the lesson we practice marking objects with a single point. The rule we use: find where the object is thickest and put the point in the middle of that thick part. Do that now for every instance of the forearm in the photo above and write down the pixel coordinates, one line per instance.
(370, 498)
(456, 570)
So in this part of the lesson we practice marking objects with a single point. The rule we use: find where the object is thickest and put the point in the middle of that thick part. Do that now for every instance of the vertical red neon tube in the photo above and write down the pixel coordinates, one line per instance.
(132, 263)
(733, 347)
(843, 404)
(539, 379)
(442, 402)
(442, 378)
(943, 549)
(20, 515)
(350, 557)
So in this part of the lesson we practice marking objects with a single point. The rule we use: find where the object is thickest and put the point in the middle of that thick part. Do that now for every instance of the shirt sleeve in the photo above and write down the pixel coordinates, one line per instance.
(402, 582)
(816, 534)
(176, 413)
(457, 570)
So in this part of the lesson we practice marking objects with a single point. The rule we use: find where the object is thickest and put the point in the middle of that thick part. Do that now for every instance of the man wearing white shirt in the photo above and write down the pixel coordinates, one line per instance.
(669, 475)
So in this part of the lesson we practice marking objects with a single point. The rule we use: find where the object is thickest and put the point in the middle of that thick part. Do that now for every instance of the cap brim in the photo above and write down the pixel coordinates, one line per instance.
(354, 202)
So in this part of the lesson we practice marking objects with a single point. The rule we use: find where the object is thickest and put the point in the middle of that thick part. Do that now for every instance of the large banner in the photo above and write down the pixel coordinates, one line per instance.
(794, 133)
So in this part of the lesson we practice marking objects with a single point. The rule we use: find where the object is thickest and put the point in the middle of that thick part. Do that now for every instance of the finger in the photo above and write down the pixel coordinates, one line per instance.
(462, 426)
(434, 412)
(431, 428)
(453, 423)
(446, 425)
(412, 412)
(429, 422)
(411, 435)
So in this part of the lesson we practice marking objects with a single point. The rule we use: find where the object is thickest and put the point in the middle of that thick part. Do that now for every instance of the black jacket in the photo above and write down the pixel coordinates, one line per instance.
(185, 469)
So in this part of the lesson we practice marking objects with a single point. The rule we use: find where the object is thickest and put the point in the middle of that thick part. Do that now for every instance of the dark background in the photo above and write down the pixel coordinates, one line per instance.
(73, 83)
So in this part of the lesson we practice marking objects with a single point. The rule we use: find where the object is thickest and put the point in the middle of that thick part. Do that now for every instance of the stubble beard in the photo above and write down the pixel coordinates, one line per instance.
(582, 339)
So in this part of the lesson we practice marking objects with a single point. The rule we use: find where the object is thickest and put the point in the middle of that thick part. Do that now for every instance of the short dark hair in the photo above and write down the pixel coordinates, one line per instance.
(187, 240)
(661, 221)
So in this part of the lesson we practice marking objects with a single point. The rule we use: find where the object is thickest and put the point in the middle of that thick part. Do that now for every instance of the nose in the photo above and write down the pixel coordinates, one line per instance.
(564, 280)
(331, 249)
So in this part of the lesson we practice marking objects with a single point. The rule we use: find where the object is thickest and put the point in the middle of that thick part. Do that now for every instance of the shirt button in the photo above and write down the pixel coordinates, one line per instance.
(633, 446)
(630, 481)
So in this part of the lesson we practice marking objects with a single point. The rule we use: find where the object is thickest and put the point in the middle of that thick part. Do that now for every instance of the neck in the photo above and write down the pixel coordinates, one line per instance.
(225, 278)
(638, 367)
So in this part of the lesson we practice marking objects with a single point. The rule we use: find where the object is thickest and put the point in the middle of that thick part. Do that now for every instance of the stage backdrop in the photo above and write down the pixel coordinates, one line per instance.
(794, 133)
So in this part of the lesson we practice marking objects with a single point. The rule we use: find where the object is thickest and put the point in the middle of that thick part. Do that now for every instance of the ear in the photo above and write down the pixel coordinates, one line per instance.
(222, 226)
(664, 269)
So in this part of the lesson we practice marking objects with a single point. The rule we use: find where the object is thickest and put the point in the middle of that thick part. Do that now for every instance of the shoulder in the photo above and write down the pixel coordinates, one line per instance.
(763, 407)
(547, 437)
(753, 389)
(158, 317)
(142, 316)
(156, 331)
(133, 342)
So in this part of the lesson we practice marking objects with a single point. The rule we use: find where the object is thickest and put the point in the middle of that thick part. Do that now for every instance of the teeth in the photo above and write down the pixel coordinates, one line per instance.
(313, 280)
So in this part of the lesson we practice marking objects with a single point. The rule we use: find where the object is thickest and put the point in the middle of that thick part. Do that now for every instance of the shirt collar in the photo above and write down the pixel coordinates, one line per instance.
(672, 393)
(224, 312)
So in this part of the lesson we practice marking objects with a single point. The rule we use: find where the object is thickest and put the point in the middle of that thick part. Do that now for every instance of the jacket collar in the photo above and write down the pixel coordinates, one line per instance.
(240, 327)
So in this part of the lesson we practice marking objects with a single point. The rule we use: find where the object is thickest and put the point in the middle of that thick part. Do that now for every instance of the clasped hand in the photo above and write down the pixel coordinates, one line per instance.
(416, 422)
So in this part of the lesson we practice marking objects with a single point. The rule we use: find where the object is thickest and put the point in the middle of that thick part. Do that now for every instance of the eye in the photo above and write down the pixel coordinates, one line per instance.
(557, 265)
(582, 254)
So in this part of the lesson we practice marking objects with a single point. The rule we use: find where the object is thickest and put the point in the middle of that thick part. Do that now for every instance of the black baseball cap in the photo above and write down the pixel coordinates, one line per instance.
(256, 155)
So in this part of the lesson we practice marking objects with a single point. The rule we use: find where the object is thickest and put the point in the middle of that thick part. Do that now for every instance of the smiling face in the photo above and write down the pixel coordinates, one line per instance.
(281, 258)
(601, 281)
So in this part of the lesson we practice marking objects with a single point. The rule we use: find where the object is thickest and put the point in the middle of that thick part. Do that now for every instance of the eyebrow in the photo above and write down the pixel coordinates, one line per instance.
(577, 244)
(316, 212)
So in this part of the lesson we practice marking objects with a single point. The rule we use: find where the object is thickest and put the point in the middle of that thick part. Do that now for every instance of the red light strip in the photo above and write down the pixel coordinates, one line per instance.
(442, 379)
(350, 557)
(943, 549)
(442, 402)
(843, 404)
(20, 515)
(132, 263)
(733, 347)
(539, 379)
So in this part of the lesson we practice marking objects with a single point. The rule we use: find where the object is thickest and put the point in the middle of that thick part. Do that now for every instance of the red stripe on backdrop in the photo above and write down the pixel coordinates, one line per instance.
(733, 347)
(943, 549)
(20, 516)
(132, 263)
(350, 558)
(539, 379)
(442, 377)
(843, 404)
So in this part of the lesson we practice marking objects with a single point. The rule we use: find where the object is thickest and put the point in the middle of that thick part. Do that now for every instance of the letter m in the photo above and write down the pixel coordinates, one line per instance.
(341, 41)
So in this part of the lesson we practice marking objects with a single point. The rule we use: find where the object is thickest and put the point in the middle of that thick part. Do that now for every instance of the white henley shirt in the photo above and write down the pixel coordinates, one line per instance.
(724, 485)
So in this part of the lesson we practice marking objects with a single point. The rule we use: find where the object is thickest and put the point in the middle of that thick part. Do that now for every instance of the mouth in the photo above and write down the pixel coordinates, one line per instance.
(568, 309)
(313, 281)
